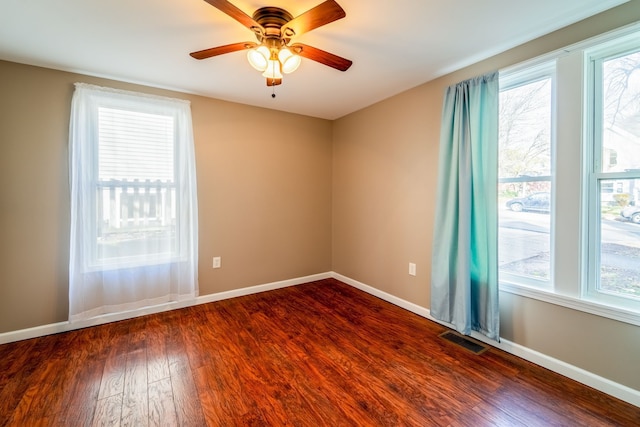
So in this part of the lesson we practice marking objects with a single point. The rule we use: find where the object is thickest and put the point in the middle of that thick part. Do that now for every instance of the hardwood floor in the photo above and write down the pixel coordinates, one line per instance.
(319, 354)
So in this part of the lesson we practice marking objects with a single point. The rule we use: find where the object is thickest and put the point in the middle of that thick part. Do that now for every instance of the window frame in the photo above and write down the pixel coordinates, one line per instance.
(93, 263)
(511, 79)
(595, 178)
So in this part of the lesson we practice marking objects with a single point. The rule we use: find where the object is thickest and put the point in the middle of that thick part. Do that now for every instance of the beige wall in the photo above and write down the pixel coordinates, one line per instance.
(384, 180)
(264, 200)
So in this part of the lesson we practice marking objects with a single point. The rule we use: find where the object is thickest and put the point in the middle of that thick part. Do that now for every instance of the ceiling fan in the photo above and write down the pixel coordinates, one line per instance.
(274, 28)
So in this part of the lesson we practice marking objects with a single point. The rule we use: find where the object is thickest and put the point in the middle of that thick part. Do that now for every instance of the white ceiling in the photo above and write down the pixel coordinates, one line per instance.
(394, 45)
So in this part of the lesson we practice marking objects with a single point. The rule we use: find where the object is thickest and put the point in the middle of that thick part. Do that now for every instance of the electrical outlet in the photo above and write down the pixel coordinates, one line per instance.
(217, 262)
(412, 269)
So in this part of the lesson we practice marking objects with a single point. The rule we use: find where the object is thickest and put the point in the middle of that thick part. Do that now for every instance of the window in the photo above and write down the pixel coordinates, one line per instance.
(135, 188)
(133, 239)
(614, 70)
(569, 177)
(525, 176)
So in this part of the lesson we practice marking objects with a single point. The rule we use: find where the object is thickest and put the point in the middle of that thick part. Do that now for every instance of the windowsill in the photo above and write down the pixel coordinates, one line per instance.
(598, 309)
(133, 263)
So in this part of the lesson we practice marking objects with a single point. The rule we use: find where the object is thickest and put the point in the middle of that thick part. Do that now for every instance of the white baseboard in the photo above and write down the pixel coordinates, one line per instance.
(55, 328)
(612, 388)
(590, 379)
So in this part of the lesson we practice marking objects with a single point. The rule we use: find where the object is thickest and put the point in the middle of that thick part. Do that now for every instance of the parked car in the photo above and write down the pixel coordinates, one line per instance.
(631, 213)
(538, 202)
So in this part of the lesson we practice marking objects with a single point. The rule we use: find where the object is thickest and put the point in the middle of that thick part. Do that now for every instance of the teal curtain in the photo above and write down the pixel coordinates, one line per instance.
(464, 278)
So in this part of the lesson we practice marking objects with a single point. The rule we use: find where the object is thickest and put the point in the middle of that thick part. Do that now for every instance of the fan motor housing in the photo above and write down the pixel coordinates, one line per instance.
(271, 19)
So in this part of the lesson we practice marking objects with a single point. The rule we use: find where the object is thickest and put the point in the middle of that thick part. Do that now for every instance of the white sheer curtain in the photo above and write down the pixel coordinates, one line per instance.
(134, 210)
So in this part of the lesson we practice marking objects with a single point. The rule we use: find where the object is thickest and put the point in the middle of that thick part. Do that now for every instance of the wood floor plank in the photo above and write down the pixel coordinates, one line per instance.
(187, 405)
(82, 395)
(21, 414)
(135, 397)
(192, 331)
(162, 411)
(44, 397)
(157, 361)
(108, 412)
(112, 380)
(22, 364)
(496, 416)
(13, 358)
(318, 354)
(208, 394)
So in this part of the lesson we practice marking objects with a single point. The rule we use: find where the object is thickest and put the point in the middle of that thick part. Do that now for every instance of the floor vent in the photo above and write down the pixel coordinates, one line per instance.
(464, 342)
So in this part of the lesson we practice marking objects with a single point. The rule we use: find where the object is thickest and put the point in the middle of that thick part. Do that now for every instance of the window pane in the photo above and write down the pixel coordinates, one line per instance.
(524, 193)
(621, 114)
(619, 210)
(136, 220)
(620, 239)
(135, 145)
(136, 196)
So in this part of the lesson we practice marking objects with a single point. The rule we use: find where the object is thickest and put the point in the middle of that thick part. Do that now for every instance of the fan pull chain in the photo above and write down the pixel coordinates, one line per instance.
(273, 81)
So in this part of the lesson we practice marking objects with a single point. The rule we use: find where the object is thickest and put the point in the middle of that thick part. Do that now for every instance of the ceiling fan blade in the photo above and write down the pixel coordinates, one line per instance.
(237, 14)
(220, 50)
(321, 56)
(320, 15)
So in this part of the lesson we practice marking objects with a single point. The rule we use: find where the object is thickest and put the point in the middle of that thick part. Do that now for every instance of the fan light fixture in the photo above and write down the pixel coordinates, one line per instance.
(273, 62)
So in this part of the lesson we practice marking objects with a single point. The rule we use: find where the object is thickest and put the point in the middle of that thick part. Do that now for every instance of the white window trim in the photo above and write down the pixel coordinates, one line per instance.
(587, 306)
